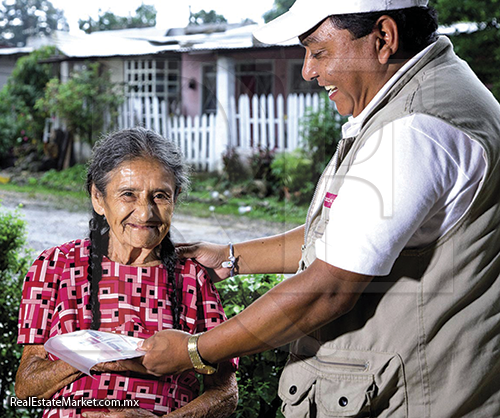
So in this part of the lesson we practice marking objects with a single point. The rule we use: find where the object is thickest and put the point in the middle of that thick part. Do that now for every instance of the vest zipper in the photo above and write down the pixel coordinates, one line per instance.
(358, 366)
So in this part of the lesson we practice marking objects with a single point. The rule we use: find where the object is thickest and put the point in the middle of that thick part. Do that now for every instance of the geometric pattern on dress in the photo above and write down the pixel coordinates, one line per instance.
(134, 301)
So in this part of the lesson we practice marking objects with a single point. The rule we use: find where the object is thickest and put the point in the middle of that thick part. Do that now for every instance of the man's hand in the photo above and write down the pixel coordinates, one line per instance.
(120, 413)
(208, 255)
(166, 353)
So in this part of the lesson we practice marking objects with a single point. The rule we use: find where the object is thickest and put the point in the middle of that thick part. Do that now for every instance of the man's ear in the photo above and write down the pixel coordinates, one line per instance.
(386, 30)
(97, 200)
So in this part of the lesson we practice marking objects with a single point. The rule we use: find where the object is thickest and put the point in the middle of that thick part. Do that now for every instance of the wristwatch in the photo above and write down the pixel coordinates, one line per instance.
(198, 364)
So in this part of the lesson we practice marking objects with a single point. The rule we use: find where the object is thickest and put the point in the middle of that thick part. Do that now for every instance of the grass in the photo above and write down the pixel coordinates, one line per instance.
(65, 189)
(60, 199)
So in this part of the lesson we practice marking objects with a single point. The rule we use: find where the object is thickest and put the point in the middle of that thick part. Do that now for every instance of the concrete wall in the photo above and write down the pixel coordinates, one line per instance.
(116, 67)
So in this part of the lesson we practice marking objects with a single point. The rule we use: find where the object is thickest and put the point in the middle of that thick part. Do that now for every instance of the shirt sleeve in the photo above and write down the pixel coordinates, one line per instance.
(404, 177)
(39, 296)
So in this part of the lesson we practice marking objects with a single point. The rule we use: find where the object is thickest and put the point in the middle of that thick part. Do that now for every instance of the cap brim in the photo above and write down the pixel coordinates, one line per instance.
(286, 27)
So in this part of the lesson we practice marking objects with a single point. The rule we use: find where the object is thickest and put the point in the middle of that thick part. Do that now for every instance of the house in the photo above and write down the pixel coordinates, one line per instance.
(251, 95)
(183, 65)
(199, 72)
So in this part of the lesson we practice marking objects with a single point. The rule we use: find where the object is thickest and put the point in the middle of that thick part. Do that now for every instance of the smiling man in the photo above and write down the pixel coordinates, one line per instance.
(394, 309)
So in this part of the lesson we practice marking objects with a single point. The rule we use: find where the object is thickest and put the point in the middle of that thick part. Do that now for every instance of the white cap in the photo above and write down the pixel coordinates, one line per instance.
(305, 14)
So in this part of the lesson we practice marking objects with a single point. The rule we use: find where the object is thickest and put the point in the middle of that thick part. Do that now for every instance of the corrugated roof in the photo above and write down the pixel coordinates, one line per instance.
(134, 42)
(150, 41)
(15, 51)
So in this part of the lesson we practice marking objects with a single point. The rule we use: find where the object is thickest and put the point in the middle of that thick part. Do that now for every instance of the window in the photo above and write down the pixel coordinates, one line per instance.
(209, 89)
(254, 78)
(154, 77)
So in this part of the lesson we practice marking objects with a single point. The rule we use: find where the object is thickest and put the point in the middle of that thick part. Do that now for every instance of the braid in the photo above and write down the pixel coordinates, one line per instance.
(98, 246)
(169, 260)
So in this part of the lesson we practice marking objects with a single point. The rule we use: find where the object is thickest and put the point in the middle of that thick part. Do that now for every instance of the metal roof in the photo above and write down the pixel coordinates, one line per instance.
(150, 41)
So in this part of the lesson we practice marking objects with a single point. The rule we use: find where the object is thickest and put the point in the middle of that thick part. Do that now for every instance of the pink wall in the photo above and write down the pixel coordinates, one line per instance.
(192, 64)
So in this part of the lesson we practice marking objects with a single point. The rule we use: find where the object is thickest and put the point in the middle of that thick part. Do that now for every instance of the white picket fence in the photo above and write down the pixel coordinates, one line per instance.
(266, 122)
(263, 122)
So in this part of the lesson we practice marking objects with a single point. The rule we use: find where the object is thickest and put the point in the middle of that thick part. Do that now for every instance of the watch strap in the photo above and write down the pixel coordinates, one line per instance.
(198, 364)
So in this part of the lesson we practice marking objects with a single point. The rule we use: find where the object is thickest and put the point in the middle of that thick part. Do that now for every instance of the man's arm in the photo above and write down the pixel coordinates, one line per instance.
(278, 254)
(295, 307)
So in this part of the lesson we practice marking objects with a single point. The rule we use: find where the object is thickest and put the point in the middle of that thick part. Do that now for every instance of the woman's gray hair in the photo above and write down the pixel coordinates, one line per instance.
(130, 144)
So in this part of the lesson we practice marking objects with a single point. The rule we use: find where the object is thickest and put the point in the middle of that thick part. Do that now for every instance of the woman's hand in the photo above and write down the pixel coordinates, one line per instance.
(40, 377)
(218, 400)
(208, 255)
(166, 353)
(120, 413)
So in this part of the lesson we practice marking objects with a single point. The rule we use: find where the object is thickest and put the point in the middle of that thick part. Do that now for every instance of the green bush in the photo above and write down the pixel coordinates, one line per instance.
(293, 171)
(235, 170)
(258, 374)
(8, 124)
(14, 263)
(299, 171)
(260, 164)
(72, 179)
(322, 131)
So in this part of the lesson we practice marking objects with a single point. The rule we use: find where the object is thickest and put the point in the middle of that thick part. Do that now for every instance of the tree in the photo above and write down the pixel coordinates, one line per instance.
(204, 17)
(88, 102)
(279, 7)
(26, 84)
(20, 19)
(145, 17)
(481, 48)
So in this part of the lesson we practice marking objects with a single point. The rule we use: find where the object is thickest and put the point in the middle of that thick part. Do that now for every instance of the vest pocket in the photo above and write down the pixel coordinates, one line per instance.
(343, 383)
(307, 392)
(344, 395)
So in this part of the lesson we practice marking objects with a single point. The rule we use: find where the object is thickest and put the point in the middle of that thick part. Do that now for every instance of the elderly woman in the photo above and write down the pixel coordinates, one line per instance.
(125, 279)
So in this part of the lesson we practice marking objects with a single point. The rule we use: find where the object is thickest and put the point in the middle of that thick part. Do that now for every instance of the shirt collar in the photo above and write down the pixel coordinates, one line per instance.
(353, 125)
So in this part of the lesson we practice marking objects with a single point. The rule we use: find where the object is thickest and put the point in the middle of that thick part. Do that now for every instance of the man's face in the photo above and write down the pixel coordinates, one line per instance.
(348, 68)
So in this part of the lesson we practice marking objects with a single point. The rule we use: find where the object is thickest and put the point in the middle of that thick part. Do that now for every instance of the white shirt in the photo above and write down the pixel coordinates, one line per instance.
(410, 183)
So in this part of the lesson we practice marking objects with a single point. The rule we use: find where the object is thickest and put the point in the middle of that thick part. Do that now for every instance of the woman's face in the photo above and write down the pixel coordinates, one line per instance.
(138, 205)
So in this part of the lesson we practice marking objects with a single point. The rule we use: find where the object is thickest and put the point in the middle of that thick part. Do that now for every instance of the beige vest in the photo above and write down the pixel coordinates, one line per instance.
(423, 341)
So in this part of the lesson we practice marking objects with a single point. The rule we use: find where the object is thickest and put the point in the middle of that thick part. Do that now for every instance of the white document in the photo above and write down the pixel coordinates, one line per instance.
(84, 349)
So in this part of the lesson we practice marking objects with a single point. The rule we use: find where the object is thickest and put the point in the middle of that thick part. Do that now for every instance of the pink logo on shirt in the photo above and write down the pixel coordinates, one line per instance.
(329, 199)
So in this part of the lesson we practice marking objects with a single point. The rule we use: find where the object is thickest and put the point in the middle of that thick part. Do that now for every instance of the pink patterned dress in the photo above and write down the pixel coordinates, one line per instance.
(134, 301)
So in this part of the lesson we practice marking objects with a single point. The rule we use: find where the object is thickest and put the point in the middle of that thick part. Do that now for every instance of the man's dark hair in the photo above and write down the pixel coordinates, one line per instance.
(417, 26)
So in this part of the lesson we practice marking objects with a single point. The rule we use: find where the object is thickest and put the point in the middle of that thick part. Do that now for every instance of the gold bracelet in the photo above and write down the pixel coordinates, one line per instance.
(198, 364)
